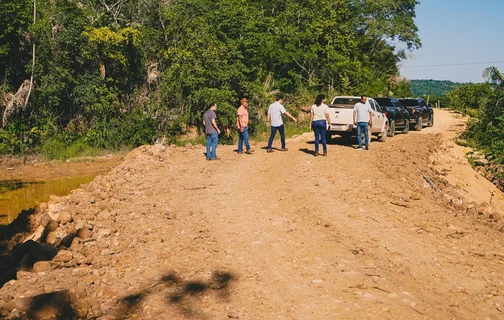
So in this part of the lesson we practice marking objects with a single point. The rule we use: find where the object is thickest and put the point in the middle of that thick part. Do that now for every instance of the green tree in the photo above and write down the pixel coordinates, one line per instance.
(15, 49)
(469, 97)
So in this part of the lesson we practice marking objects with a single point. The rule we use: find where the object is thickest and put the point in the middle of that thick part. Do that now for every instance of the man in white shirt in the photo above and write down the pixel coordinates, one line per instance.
(362, 117)
(275, 112)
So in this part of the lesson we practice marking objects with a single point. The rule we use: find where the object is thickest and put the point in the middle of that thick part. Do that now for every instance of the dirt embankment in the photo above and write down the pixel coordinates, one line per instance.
(406, 230)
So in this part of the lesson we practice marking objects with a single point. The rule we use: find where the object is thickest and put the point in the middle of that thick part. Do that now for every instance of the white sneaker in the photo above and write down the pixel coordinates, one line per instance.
(358, 148)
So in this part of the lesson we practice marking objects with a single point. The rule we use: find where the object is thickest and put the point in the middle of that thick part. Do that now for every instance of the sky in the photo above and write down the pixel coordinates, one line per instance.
(468, 33)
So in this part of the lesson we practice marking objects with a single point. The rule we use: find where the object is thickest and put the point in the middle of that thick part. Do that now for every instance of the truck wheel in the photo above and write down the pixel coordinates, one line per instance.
(383, 137)
(346, 137)
(419, 124)
(391, 131)
(406, 126)
(431, 121)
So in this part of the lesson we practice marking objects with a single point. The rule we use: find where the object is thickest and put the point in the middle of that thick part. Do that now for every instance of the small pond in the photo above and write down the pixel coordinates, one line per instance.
(18, 195)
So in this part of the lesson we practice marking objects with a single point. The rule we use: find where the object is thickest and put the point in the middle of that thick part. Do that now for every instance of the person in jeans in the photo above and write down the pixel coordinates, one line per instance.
(242, 125)
(212, 132)
(319, 120)
(362, 118)
(275, 112)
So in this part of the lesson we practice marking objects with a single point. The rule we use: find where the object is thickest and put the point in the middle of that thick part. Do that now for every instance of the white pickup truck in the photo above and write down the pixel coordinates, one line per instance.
(341, 115)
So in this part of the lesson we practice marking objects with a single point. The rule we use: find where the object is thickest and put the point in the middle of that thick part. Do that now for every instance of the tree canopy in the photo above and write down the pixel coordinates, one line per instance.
(121, 72)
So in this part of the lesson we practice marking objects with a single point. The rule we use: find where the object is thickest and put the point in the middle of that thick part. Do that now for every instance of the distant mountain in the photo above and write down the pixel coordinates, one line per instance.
(433, 87)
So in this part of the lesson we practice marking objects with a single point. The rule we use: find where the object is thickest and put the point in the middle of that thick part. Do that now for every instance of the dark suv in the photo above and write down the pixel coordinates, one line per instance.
(397, 115)
(420, 113)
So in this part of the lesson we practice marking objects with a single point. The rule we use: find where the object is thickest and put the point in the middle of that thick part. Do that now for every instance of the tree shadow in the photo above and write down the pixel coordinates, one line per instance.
(182, 294)
(17, 255)
(54, 305)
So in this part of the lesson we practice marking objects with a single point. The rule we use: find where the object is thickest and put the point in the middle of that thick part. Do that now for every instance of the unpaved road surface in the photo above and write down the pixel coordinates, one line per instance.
(405, 231)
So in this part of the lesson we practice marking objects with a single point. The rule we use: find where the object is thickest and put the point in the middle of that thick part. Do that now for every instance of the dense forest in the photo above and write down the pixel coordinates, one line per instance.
(104, 74)
(433, 87)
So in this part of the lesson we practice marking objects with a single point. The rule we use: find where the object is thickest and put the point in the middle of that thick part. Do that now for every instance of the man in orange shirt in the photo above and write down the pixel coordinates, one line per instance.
(242, 125)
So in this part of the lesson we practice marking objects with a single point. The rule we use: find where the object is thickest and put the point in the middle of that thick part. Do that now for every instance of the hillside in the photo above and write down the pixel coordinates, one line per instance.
(403, 231)
(432, 87)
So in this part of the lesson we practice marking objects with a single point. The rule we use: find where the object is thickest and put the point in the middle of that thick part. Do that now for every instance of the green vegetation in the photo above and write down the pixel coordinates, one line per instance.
(436, 88)
(111, 74)
(485, 104)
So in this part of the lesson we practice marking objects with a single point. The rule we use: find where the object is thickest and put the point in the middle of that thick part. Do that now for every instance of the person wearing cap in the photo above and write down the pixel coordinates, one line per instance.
(212, 132)
(242, 125)
(275, 112)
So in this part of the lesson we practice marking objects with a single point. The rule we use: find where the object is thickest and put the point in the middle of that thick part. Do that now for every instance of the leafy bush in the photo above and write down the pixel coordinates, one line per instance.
(137, 129)
(54, 149)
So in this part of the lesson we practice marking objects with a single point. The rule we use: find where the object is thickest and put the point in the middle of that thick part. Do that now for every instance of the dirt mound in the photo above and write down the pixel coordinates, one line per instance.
(389, 233)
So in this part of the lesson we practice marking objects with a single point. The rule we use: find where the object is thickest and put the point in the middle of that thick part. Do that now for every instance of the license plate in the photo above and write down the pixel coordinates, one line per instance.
(339, 127)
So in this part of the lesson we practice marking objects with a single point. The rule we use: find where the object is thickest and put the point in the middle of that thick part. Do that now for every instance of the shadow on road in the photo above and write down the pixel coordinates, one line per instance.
(181, 294)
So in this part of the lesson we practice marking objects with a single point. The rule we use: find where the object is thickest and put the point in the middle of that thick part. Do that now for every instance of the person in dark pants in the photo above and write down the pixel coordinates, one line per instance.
(212, 132)
(362, 118)
(275, 112)
(319, 120)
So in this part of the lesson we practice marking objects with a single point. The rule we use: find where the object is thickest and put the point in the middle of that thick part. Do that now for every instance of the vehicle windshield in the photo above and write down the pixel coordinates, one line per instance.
(383, 102)
(409, 102)
(344, 102)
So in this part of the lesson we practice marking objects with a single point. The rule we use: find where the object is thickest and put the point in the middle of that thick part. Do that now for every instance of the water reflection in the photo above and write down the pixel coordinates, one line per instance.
(9, 185)
(18, 195)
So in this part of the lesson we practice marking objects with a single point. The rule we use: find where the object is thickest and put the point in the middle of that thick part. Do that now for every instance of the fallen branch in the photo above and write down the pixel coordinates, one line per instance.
(400, 204)
(431, 183)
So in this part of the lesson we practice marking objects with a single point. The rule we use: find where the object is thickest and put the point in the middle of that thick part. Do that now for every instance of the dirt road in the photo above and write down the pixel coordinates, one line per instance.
(404, 231)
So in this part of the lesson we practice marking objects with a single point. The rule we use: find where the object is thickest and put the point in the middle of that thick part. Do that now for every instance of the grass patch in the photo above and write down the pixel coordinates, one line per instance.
(58, 150)
(262, 132)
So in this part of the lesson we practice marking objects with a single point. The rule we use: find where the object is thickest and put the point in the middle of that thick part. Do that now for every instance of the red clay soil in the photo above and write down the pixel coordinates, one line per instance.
(404, 231)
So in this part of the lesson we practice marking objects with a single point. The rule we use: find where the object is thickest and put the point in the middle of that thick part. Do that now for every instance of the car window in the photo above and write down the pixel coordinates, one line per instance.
(409, 102)
(384, 102)
(372, 104)
(346, 103)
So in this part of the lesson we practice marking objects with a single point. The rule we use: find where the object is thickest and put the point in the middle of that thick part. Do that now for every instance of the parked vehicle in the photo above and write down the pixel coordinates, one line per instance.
(397, 115)
(341, 115)
(420, 114)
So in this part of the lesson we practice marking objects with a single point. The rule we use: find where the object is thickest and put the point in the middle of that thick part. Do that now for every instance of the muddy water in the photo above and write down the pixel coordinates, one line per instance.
(18, 195)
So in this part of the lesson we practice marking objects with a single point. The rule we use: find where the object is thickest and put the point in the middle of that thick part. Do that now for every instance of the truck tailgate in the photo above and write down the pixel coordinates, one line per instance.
(341, 119)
